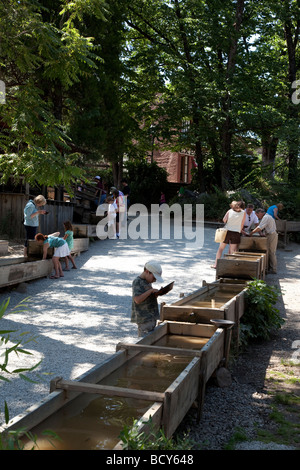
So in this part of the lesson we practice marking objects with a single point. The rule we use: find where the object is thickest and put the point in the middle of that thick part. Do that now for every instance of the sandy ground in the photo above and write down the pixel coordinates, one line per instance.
(78, 320)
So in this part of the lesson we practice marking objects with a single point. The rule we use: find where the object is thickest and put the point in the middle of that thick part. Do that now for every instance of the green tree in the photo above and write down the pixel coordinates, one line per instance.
(39, 58)
(224, 68)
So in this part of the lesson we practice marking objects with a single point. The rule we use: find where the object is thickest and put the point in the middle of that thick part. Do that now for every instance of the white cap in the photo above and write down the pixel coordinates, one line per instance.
(97, 178)
(155, 268)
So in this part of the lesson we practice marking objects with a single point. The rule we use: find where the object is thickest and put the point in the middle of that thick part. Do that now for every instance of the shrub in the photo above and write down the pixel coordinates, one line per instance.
(261, 317)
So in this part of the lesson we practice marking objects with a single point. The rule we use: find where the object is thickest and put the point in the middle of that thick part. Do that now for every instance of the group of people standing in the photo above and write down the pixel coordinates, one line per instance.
(246, 222)
(62, 245)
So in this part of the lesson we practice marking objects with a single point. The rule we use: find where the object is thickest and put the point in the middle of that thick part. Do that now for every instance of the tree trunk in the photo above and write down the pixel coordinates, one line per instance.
(117, 168)
(227, 129)
(293, 109)
(269, 148)
(200, 166)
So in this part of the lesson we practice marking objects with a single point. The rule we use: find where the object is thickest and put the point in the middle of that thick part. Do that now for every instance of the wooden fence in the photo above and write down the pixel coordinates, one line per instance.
(12, 216)
(59, 212)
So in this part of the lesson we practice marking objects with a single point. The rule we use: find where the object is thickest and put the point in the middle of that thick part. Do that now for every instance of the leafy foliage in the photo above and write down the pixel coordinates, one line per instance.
(146, 181)
(10, 346)
(261, 317)
(39, 61)
(133, 439)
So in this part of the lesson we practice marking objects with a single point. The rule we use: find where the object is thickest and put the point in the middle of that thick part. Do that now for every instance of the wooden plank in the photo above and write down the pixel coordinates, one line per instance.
(108, 390)
(190, 314)
(37, 250)
(246, 269)
(59, 212)
(246, 256)
(293, 226)
(158, 349)
(214, 350)
(263, 256)
(180, 396)
(22, 272)
(191, 329)
(8, 261)
(80, 245)
(253, 244)
(190, 297)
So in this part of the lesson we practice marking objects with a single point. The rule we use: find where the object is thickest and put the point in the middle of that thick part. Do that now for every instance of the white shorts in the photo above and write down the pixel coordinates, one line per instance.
(62, 251)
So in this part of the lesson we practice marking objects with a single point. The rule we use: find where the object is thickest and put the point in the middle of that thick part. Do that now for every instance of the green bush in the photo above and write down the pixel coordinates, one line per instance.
(215, 204)
(261, 317)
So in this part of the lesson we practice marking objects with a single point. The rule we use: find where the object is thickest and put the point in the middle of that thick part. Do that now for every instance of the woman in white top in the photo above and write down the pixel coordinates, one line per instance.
(234, 220)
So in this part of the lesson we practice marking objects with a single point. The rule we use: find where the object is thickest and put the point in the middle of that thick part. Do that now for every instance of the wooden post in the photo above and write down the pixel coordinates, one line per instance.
(202, 385)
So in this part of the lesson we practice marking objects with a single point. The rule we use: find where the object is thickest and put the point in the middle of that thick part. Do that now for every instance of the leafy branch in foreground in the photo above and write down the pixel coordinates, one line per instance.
(12, 440)
(9, 346)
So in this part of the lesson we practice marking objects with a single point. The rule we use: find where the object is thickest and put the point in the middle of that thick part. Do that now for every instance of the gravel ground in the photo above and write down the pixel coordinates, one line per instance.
(78, 320)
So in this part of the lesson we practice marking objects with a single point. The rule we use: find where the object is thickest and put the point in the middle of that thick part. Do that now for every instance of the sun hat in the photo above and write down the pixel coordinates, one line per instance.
(155, 268)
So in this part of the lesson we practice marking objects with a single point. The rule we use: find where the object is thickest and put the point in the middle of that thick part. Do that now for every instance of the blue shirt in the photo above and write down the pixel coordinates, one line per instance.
(30, 209)
(55, 242)
(270, 210)
(69, 239)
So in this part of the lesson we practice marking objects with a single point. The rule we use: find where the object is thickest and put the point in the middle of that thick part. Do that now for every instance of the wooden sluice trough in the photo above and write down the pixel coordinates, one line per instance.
(224, 299)
(22, 269)
(242, 265)
(161, 376)
(249, 262)
(255, 244)
(80, 245)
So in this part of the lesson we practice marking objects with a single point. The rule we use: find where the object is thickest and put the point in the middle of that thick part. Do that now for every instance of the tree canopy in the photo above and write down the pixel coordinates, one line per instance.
(92, 80)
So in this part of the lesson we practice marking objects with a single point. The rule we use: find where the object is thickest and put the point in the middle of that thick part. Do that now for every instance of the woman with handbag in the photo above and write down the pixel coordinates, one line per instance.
(234, 220)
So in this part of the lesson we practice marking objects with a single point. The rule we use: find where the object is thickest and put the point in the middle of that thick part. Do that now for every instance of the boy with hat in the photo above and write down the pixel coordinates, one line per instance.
(144, 310)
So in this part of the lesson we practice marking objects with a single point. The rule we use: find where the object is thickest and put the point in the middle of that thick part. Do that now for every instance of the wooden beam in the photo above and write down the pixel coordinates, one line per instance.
(159, 349)
(108, 390)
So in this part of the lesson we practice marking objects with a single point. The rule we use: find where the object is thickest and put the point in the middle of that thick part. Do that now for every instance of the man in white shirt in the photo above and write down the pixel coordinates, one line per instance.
(267, 223)
(250, 220)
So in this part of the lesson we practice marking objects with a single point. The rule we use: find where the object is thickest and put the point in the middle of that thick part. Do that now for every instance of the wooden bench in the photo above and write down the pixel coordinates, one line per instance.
(284, 227)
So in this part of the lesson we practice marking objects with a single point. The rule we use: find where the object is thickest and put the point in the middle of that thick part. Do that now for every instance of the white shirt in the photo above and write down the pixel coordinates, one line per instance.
(268, 224)
(234, 220)
(250, 219)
